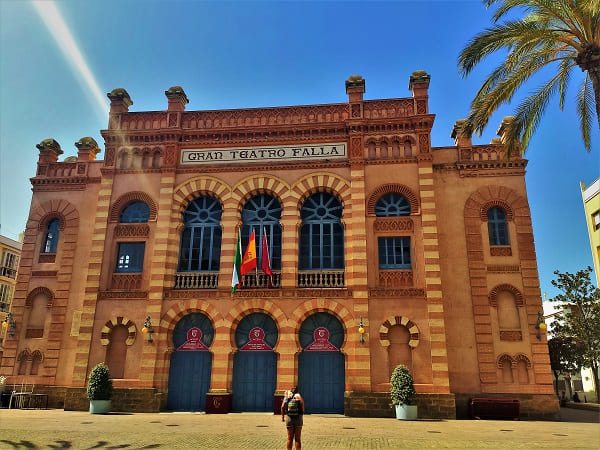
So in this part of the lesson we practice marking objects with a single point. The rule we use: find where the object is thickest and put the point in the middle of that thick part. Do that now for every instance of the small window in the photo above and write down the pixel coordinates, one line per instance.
(596, 220)
(130, 257)
(51, 238)
(394, 252)
(136, 212)
(497, 226)
(392, 205)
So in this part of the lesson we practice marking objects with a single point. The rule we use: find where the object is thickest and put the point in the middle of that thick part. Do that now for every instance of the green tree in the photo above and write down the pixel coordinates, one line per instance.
(561, 33)
(561, 358)
(579, 320)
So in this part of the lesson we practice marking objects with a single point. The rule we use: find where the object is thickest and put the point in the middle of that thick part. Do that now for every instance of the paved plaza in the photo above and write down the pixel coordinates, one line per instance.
(80, 430)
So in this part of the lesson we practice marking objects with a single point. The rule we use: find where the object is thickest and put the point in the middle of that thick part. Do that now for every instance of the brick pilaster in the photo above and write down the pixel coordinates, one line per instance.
(92, 283)
(433, 281)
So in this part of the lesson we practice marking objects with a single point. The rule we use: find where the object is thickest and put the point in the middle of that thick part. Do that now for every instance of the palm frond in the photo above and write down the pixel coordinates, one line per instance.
(585, 102)
(510, 35)
(563, 81)
(531, 110)
(500, 87)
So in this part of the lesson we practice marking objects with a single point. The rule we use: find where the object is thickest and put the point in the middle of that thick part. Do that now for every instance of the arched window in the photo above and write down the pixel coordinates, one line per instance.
(51, 238)
(321, 233)
(497, 226)
(201, 237)
(135, 212)
(392, 205)
(262, 212)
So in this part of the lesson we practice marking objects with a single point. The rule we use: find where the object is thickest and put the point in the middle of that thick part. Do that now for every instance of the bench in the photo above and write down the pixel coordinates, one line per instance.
(494, 408)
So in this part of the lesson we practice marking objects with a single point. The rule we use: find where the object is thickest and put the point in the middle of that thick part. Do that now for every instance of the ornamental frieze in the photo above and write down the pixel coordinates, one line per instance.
(383, 292)
(395, 224)
(132, 230)
(137, 295)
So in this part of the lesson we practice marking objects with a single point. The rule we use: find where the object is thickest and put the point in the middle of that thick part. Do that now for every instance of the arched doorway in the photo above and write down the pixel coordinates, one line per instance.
(191, 363)
(321, 365)
(255, 364)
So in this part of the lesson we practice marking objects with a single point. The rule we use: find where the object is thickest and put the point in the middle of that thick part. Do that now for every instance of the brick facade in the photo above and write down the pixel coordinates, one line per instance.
(444, 314)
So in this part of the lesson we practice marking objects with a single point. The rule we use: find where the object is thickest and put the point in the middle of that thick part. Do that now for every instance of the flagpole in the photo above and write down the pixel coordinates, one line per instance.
(255, 270)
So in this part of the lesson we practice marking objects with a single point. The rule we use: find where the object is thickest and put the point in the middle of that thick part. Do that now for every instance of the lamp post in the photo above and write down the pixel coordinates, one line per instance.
(148, 329)
(361, 331)
(9, 322)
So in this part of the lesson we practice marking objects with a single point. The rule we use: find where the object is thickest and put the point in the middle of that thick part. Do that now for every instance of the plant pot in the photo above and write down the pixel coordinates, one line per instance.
(99, 406)
(406, 412)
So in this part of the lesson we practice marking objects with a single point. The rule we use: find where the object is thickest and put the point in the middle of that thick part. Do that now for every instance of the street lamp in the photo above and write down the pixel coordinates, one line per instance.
(9, 322)
(148, 329)
(361, 331)
(540, 326)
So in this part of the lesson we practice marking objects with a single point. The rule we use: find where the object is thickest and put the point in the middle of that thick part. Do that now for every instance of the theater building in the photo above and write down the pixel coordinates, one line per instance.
(427, 250)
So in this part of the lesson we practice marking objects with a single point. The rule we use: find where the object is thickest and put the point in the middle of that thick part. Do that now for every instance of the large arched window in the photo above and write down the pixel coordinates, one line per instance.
(51, 238)
(392, 205)
(321, 233)
(497, 226)
(262, 212)
(201, 238)
(135, 212)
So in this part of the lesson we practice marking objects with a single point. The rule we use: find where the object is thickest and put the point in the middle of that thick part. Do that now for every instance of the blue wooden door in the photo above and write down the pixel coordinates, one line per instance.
(321, 381)
(191, 363)
(321, 365)
(255, 364)
(189, 380)
(254, 379)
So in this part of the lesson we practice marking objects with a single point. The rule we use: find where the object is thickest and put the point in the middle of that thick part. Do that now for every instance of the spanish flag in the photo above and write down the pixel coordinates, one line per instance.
(237, 262)
(249, 261)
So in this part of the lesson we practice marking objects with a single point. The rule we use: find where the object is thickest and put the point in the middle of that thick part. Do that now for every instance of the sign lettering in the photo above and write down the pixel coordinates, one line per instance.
(263, 154)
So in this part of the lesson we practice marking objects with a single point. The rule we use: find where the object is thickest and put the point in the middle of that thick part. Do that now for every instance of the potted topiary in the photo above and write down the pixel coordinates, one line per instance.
(99, 389)
(403, 393)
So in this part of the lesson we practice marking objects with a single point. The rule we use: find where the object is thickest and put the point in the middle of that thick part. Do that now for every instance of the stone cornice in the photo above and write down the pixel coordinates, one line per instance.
(62, 183)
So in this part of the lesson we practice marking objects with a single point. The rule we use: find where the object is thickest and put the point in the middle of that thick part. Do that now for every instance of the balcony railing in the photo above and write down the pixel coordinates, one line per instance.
(321, 279)
(260, 280)
(126, 281)
(196, 280)
(8, 272)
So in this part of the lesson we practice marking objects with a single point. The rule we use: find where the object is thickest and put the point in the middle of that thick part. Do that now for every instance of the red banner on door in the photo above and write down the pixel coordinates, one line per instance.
(321, 342)
(193, 342)
(256, 342)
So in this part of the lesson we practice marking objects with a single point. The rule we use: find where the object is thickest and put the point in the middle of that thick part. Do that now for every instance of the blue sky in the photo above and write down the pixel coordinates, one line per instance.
(253, 54)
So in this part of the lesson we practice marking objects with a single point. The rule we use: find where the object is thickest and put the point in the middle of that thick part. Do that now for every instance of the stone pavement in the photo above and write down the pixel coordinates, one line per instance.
(80, 430)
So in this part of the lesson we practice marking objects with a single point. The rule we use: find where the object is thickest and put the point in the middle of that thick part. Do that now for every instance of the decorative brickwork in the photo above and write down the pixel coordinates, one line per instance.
(402, 321)
(393, 224)
(396, 189)
(125, 199)
(509, 288)
(40, 291)
(108, 326)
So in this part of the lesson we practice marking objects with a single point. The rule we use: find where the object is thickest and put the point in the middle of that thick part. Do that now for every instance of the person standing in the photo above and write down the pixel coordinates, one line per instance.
(292, 413)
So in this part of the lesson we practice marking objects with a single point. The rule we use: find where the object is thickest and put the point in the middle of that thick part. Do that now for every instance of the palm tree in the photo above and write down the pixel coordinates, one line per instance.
(563, 33)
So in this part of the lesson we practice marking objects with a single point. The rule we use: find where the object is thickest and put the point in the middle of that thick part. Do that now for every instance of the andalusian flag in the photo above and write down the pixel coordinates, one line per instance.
(237, 264)
(249, 261)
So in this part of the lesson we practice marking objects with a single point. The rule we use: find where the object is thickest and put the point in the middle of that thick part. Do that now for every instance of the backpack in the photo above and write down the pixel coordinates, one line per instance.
(293, 408)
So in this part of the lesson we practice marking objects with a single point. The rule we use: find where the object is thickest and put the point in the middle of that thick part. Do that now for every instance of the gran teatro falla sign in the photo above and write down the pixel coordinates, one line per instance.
(191, 156)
